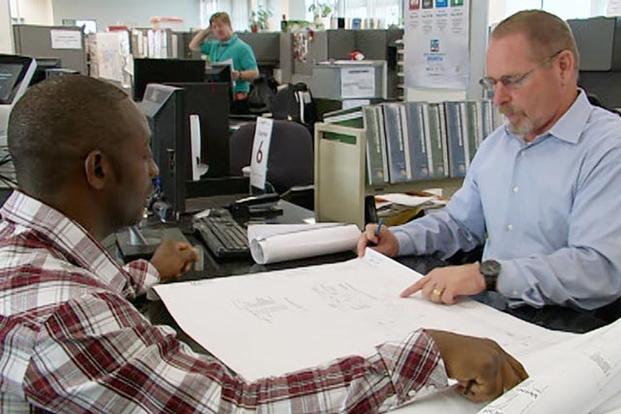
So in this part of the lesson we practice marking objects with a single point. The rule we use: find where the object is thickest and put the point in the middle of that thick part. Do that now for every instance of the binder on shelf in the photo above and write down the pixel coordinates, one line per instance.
(415, 136)
(487, 118)
(377, 165)
(407, 148)
(436, 140)
(455, 138)
(397, 164)
(442, 123)
(382, 139)
(473, 137)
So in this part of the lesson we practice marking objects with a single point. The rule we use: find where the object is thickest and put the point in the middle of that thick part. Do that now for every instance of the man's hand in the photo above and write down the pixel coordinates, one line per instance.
(172, 258)
(199, 38)
(235, 75)
(481, 367)
(386, 243)
(446, 284)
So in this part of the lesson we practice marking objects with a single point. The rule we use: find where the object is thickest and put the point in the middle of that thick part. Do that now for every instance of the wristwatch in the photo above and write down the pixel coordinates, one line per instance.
(490, 269)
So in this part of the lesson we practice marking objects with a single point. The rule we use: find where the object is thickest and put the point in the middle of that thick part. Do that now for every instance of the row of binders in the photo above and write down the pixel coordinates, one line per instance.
(410, 141)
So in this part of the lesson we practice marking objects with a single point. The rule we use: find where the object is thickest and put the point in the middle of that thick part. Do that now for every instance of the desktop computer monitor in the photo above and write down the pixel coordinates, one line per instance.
(15, 75)
(43, 64)
(219, 72)
(169, 110)
(148, 71)
(211, 102)
(163, 107)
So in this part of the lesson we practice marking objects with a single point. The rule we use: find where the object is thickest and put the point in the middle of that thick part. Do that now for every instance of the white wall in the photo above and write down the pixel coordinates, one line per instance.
(499, 9)
(297, 10)
(128, 12)
(6, 36)
(34, 11)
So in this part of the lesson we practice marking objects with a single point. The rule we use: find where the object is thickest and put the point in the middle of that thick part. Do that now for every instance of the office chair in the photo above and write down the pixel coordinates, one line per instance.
(290, 160)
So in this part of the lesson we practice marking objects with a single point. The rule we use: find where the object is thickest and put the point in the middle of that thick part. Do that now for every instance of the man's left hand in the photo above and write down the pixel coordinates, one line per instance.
(236, 75)
(172, 258)
(446, 284)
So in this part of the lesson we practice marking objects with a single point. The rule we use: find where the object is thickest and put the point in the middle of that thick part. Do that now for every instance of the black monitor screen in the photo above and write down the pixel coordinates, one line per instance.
(11, 75)
(43, 64)
(218, 73)
(148, 71)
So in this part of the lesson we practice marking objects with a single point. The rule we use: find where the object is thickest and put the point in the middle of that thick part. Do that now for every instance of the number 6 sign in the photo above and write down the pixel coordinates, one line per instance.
(260, 152)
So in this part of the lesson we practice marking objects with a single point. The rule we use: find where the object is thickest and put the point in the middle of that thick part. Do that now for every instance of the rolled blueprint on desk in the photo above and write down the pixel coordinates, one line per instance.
(587, 373)
(272, 243)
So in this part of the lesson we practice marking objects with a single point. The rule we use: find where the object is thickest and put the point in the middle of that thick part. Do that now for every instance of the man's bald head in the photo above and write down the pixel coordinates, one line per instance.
(56, 123)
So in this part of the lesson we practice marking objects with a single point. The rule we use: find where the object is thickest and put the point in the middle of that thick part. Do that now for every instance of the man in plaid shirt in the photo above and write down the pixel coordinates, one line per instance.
(70, 339)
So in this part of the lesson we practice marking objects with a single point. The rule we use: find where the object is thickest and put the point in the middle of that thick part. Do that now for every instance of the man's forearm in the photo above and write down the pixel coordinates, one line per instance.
(248, 75)
(198, 39)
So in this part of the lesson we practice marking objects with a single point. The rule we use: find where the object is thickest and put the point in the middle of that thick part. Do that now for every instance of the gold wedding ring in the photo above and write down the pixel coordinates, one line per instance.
(437, 292)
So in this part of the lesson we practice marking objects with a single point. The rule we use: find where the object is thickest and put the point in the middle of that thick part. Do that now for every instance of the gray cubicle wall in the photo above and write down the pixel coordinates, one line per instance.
(599, 42)
(36, 41)
(599, 45)
(337, 45)
(374, 43)
(265, 45)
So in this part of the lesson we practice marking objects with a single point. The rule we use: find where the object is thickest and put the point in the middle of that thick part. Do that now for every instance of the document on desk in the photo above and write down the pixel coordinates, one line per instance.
(276, 322)
(272, 243)
(587, 373)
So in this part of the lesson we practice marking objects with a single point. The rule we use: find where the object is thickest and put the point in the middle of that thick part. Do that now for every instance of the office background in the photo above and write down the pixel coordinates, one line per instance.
(195, 13)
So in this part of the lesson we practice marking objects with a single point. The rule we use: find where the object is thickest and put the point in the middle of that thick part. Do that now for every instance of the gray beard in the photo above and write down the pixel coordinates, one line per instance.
(521, 130)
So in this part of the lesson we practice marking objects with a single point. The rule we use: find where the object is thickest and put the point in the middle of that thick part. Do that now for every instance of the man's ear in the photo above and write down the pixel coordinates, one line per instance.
(567, 64)
(97, 170)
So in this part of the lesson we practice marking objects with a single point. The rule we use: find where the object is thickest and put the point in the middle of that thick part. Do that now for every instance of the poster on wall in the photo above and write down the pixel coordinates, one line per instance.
(437, 43)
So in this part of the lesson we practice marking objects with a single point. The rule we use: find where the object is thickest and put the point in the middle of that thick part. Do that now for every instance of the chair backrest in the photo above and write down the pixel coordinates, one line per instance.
(290, 160)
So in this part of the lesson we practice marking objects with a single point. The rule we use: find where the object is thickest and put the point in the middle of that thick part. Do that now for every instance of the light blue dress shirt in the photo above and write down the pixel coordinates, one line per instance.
(549, 211)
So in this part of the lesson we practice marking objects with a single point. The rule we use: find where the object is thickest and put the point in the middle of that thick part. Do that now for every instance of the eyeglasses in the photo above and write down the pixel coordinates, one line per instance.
(514, 81)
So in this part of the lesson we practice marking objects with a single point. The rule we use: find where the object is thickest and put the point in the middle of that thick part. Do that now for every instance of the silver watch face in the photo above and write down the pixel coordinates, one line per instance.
(490, 268)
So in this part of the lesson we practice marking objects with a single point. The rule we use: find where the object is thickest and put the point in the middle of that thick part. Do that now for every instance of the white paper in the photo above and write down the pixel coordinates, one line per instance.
(66, 39)
(272, 323)
(272, 243)
(405, 199)
(358, 82)
(437, 44)
(353, 103)
(260, 152)
(227, 62)
(113, 56)
(580, 375)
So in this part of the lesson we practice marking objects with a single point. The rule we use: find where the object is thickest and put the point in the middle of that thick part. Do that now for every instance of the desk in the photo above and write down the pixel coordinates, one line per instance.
(553, 317)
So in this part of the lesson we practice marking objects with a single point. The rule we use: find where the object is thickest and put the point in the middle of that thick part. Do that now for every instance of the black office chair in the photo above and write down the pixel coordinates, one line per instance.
(290, 160)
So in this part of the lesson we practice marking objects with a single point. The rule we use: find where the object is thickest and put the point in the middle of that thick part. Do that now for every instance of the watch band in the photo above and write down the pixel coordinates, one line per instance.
(490, 269)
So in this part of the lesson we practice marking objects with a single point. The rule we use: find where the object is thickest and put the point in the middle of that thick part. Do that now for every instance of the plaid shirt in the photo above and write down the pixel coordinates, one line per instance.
(70, 340)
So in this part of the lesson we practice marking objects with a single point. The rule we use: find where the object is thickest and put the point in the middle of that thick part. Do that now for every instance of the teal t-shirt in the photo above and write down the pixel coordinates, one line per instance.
(235, 49)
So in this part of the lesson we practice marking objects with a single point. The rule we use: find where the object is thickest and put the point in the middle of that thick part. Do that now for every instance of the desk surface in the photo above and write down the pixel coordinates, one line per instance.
(553, 317)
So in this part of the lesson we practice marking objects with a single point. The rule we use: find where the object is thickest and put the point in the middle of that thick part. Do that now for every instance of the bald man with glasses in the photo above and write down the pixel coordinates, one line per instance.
(542, 192)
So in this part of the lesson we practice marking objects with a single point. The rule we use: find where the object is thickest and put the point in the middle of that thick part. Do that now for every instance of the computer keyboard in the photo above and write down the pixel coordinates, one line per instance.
(222, 235)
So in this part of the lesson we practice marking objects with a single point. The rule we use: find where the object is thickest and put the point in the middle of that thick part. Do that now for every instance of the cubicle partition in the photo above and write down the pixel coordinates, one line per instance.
(63, 42)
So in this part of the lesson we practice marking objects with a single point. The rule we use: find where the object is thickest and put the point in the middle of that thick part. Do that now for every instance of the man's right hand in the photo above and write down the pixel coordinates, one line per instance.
(482, 368)
(173, 258)
(386, 243)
